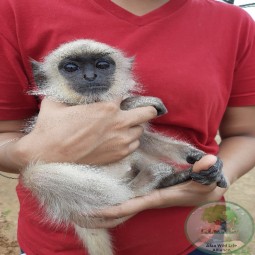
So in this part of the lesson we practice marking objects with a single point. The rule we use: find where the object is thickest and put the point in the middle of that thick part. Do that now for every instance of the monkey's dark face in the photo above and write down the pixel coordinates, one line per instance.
(88, 74)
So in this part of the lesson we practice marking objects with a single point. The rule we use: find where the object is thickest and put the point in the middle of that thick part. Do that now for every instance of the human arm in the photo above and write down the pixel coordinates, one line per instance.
(98, 133)
(10, 132)
(237, 150)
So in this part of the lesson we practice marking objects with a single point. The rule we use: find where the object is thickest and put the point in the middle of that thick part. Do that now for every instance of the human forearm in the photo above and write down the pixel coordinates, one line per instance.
(10, 160)
(238, 155)
(237, 149)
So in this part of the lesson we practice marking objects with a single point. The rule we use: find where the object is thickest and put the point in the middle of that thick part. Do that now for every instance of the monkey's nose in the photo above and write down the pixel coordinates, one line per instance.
(90, 77)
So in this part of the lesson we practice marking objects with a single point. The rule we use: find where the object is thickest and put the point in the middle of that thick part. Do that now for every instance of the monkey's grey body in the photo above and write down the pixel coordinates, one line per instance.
(69, 190)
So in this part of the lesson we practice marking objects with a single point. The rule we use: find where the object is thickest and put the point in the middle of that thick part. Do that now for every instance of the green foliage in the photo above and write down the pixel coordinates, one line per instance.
(243, 251)
(231, 216)
(219, 213)
(214, 213)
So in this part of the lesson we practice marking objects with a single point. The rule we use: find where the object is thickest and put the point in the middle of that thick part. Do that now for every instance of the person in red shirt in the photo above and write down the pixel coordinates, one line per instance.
(197, 56)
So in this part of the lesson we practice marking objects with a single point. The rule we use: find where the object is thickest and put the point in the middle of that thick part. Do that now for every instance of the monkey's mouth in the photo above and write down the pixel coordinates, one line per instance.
(91, 89)
(97, 87)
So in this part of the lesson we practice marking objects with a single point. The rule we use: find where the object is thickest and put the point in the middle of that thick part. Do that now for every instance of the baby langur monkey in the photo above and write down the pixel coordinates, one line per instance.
(83, 72)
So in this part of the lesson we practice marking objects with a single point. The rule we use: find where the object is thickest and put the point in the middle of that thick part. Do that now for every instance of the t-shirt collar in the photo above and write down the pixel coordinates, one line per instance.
(167, 9)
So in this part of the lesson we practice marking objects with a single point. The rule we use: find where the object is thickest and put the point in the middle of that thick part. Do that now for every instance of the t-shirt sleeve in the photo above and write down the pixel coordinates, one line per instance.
(243, 89)
(15, 103)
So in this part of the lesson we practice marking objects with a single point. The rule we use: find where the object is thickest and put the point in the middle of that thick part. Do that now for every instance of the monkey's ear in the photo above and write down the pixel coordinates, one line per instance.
(39, 76)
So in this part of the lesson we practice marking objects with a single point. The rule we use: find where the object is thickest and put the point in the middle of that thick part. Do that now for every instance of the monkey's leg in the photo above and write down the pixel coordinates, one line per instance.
(176, 178)
(206, 177)
(180, 152)
(149, 176)
(153, 174)
(150, 173)
(97, 241)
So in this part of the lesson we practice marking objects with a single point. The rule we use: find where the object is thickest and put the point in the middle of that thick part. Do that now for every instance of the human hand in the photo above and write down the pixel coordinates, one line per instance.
(97, 133)
(185, 194)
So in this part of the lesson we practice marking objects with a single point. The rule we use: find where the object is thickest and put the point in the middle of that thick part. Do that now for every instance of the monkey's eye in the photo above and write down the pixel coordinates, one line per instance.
(102, 64)
(70, 67)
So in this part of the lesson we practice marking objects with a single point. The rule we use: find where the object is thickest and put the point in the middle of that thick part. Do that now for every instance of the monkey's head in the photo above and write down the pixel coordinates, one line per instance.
(84, 71)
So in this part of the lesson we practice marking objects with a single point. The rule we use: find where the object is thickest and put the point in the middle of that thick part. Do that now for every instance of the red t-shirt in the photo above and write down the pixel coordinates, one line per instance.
(198, 56)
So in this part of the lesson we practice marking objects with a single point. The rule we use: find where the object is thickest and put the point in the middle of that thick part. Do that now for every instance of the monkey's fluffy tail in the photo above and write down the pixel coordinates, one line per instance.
(66, 189)
(97, 241)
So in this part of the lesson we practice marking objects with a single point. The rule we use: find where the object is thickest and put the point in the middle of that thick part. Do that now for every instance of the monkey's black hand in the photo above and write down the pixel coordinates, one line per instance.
(211, 175)
(140, 101)
(194, 156)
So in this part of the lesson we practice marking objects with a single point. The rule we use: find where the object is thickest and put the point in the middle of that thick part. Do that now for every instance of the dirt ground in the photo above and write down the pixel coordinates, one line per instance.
(242, 193)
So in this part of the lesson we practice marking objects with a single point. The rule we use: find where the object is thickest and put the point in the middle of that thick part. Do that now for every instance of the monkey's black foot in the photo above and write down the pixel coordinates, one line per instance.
(140, 101)
(194, 156)
(211, 175)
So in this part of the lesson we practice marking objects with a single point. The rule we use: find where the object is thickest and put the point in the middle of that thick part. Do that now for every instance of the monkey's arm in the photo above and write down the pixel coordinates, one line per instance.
(141, 101)
(180, 152)
(158, 145)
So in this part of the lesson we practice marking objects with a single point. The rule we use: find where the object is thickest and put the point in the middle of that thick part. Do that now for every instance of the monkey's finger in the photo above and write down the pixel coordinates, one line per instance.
(223, 182)
(140, 115)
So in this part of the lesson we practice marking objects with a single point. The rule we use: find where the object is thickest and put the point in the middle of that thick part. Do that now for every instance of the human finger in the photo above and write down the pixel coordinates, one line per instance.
(96, 223)
(99, 222)
(132, 206)
(186, 194)
(140, 115)
(204, 163)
